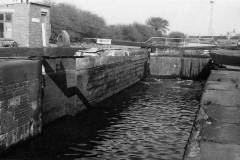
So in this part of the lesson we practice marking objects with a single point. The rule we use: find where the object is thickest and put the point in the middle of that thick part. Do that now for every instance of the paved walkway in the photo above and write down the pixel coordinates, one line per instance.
(216, 134)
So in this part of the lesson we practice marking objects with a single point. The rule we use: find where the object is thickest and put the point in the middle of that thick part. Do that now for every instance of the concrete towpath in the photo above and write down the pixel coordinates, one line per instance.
(216, 132)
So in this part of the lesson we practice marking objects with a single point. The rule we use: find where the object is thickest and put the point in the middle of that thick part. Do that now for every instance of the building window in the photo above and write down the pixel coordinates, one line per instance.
(8, 17)
(44, 13)
(5, 25)
(1, 17)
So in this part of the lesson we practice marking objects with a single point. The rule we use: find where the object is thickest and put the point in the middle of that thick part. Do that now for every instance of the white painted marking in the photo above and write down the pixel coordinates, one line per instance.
(15, 101)
(34, 105)
(36, 20)
(7, 10)
(44, 35)
(1, 105)
(43, 70)
(104, 41)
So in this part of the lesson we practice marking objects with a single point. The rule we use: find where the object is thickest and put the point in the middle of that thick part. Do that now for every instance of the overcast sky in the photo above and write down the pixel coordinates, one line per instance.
(188, 16)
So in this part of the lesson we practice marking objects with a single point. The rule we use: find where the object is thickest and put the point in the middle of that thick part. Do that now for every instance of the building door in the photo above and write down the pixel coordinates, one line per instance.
(1, 30)
(1, 25)
(44, 33)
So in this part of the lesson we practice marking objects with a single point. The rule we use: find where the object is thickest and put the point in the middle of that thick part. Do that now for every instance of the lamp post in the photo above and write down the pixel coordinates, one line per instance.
(210, 27)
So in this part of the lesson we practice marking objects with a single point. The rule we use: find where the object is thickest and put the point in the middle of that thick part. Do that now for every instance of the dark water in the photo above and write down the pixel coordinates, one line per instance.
(151, 120)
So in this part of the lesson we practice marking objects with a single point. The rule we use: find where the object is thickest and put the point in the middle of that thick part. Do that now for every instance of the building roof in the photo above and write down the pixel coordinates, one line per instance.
(32, 3)
(40, 4)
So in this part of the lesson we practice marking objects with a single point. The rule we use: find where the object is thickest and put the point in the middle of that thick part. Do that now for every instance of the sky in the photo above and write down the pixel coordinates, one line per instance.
(188, 16)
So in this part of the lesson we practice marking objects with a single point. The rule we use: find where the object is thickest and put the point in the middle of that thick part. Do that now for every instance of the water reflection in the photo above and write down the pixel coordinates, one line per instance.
(150, 120)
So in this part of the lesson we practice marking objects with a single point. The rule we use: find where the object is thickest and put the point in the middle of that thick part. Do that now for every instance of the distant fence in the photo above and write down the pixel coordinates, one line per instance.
(193, 42)
(116, 42)
(162, 41)
(189, 42)
(181, 42)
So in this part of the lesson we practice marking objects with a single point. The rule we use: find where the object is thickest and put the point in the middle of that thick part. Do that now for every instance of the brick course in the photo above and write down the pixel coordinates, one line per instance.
(94, 78)
(35, 29)
(20, 115)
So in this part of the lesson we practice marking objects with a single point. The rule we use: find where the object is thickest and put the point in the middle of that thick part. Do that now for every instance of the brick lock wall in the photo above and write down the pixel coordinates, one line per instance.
(20, 112)
(59, 97)
(95, 79)
(66, 81)
(104, 80)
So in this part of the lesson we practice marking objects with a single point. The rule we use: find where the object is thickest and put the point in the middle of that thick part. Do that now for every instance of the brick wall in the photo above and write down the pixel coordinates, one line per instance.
(59, 96)
(27, 25)
(20, 112)
(101, 78)
(72, 84)
(35, 31)
(20, 23)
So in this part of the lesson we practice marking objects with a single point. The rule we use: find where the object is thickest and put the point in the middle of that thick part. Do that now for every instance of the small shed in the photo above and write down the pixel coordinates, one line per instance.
(26, 22)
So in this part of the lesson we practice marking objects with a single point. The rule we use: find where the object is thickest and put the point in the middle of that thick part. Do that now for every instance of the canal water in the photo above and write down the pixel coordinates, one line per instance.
(150, 120)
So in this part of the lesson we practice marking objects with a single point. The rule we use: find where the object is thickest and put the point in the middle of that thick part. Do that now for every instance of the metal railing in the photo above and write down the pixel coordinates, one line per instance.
(181, 42)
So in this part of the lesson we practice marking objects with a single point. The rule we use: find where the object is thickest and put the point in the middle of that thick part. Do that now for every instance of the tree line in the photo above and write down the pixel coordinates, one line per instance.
(83, 24)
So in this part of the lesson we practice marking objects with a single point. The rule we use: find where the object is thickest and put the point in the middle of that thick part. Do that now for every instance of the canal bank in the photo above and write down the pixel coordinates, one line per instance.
(215, 133)
(226, 56)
